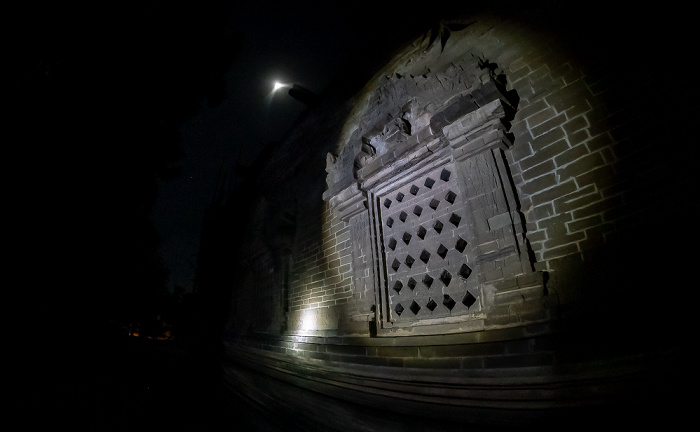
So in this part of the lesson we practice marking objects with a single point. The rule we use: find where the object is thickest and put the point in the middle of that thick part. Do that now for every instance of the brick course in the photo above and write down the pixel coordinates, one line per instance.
(321, 276)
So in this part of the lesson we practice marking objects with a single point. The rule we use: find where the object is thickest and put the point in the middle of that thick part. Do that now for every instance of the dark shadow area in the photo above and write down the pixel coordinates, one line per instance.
(99, 121)
(131, 384)
(654, 402)
(100, 102)
(100, 96)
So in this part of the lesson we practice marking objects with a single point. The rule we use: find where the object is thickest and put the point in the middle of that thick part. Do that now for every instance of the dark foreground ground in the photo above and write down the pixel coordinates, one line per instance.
(122, 383)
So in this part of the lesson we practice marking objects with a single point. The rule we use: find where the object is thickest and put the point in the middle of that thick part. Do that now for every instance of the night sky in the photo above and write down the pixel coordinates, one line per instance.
(302, 44)
(308, 44)
(128, 119)
(123, 121)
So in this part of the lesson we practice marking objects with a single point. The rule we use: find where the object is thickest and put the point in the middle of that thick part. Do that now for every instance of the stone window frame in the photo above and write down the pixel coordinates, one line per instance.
(471, 135)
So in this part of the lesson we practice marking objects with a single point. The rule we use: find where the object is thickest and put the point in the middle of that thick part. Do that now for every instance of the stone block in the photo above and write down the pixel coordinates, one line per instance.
(547, 139)
(545, 167)
(599, 207)
(561, 251)
(539, 197)
(531, 110)
(493, 274)
(599, 141)
(580, 166)
(499, 315)
(531, 311)
(347, 350)
(549, 152)
(537, 235)
(577, 199)
(397, 351)
(463, 350)
(566, 98)
(437, 363)
(555, 226)
(578, 137)
(570, 155)
(597, 119)
(521, 132)
(520, 346)
(542, 212)
(365, 360)
(518, 295)
(596, 236)
(603, 177)
(540, 117)
(575, 124)
(319, 356)
(519, 74)
(536, 186)
(499, 221)
(519, 360)
(564, 239)
(585, 223)
(487, 238)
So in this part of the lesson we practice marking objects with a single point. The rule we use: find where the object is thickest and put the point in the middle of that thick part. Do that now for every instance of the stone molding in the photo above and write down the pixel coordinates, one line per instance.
(348, 202)
(478, 131)
(465, 139)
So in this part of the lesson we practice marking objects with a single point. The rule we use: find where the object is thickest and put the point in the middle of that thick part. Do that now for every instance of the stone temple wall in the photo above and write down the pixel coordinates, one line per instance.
(498, 219)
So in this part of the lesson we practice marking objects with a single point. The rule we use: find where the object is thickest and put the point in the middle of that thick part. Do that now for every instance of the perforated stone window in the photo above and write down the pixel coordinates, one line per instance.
(444, 231)
(425, 249)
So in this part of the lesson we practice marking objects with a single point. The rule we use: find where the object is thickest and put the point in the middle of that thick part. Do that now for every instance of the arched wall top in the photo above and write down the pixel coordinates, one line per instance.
(393, 112)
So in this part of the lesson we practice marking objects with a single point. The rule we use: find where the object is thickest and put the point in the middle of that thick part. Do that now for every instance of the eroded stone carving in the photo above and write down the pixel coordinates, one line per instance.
(333, 172)
(415, 115)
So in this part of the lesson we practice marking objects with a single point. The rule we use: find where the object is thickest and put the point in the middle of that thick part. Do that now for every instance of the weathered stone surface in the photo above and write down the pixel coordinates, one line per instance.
(551, 199)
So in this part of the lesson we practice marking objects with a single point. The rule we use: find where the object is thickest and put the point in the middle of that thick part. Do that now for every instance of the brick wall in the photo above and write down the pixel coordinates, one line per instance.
(591, 164)
(590, 159)
(602, 170)
(321, 274)
(561, 165)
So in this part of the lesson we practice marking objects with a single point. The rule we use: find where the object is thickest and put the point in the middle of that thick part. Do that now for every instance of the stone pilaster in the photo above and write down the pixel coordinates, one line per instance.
(478, 140)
